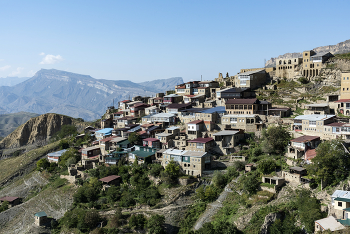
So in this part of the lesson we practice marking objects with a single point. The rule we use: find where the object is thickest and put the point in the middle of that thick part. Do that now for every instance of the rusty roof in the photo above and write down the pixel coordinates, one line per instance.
(196, 122)
(304, 139)
(242, 101)
(9, 199)
(109, 178)
(202, 140)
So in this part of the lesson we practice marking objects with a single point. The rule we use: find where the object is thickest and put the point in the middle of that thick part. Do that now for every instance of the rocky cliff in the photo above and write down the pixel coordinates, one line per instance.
(340, 48)
(36, 130)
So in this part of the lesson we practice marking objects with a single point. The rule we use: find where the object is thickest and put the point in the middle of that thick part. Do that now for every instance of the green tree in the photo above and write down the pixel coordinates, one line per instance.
(173, 171)
(267, 166)
(250, 184)
(42, 164)
(137, 221)
(331, 164)
(134, 138)
(4, 206)
(70, 153)
(219, 179)
(155, 224)
(275, 139)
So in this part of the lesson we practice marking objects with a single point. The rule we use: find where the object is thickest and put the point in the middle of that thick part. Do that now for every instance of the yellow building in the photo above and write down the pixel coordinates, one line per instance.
(345, 85)
(312, 62)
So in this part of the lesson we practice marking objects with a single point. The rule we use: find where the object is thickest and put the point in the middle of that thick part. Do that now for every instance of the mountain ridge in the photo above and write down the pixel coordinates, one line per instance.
(76, 95)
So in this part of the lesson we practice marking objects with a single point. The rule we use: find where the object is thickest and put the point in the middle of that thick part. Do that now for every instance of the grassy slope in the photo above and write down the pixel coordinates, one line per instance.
(12, 166)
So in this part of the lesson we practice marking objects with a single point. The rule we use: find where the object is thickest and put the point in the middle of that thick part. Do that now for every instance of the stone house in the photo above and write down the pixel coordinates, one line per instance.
(251, 79)
(302, 148)
(312, 124)
(313, 63)
(195, 100)
(317, 109)
(226, 140)
(152, 110)
(249, 123)
(110, 180)
(138, 109)
(191, 162)
(103, 133)
(288, 68)
(41, 218)
(295, 174)
(152, 142)
(166, 119)
(234, 93)
(247, 106)
(176, 107)
(12, 201)
(114, 157)
(122, 105)
(167, 135)
(345, 86)
(343, 106)
(172, 98)
(200, 144)
(125, 121)
(212, 114)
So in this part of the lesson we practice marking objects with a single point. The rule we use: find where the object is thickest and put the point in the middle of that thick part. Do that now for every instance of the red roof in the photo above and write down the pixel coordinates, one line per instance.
(151, 139)
(181, 87)
(335, 124)
(119, 113)
(142, 132)
(343, 100)
(196, 122)
(242, 101)
(147, 125)
(140, 104)
(303, 139)
(310, 154)
(202, 140)
(190, 95)
(109, 178)
(9, 199)
(107, 139)
(209, 122)
(158, 98)
(125, 101)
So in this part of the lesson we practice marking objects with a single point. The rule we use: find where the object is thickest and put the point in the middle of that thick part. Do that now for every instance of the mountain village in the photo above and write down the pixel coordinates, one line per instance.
(205, 126)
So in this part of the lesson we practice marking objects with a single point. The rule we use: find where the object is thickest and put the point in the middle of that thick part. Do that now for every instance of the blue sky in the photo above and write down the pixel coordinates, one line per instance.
(147, 40)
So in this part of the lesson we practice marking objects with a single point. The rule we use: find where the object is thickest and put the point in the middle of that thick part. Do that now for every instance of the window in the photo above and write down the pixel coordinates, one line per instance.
(312, 123)
(340, 204)
(306, 65)
(347, 78)
(233, 120)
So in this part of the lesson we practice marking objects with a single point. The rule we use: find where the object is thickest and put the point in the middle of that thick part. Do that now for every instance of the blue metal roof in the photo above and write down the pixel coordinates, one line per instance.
(105, 130)
(214, 109)
(57, 153)
(41, 214)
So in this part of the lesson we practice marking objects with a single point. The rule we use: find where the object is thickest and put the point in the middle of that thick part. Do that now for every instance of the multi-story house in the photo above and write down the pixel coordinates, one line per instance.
(200, 144)
(176, 107)
(138, 109)
(152, 143)
(234, 93)
(191, 162)
(122, 105)
(124, 121)
(166, 119)
(345, 86)
(247, 106)
(142, 154)
(317, 109)
(166, 136)
(251, 79)
(226, 140)
(103, 133)
(212, 114)
(172, 98)
(302, 148)
(196, 100)
(249, 123)
(313, 124)
(288, 68)
(152, 110)
(195, 129)
(313, 63)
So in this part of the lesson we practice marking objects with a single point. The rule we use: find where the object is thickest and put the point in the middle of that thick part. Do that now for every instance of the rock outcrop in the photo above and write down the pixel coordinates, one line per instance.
(340, 48)
(36, 130)
(269, 220)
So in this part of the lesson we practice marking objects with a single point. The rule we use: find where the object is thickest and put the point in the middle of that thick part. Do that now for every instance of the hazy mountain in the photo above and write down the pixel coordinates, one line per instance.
(54, 91)
(340, 48)
(11, 81)
(9, 122)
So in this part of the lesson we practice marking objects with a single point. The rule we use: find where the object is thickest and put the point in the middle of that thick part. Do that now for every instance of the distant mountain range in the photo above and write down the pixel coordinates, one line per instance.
(340, 48)
(79, 96)
(11, 81)
(9, 122)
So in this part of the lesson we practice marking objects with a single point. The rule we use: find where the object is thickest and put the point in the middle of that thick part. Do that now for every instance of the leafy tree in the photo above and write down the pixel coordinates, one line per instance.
(155, 169)
(172, 171)
(331, 163)
(219, 179)
(309, 209)
(267, 166)
(250, 184)
(4, 206)
(91, 219)
(70, 153)
(134, 138)
(64, 144)
(303, 80)
(42, 164)
(155, 224)
(137, 221)
(239, 165)
(275, 139)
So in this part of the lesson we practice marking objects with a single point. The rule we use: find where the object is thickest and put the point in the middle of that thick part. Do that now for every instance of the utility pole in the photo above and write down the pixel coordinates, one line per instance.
(201, 77)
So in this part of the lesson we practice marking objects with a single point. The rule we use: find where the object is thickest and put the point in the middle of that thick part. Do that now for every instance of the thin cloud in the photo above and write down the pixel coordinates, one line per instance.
(51, 59)
(31, 73)
(42, 54)
(16, 72)
(5, 68)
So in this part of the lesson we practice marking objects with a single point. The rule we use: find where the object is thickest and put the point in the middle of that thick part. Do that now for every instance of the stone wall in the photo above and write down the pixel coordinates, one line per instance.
(184, 182)
(71, 179)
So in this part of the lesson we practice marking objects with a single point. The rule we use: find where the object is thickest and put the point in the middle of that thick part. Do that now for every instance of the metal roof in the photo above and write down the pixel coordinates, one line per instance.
(314, 117)
(172, 95)
(233, 90)
(242, 101)
(342, 199)
(172, 128)
(9, 199)
(41, 214)
(105, 130)
(297, 168)
(304, 139)
(164, 134)
(202, 140)
(341, 193)
(243, 116)
(57, 153)
(194, 154)
(330, 223)
(175, 151)
(214, 109)
(163, 115)
(318, 105)
(225, 133)
(109, 178)
(143, 154)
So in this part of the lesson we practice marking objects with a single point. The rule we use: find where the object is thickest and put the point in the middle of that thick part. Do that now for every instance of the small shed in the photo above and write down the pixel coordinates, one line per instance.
(249, 167)
(40, 218)
(110, 180)
(13, 201)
